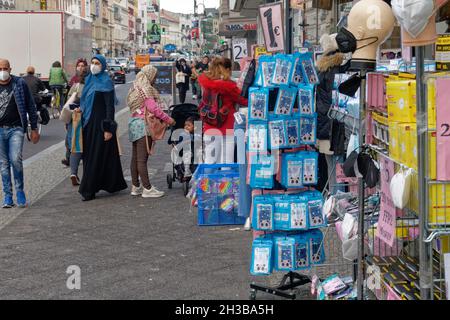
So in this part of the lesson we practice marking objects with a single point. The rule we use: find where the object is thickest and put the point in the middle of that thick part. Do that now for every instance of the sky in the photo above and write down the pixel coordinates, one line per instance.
(187, 6)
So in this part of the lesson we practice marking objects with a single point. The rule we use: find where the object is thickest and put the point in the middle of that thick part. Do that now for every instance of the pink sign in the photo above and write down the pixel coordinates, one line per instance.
(272, 23)
(443, 128)
(387, 220)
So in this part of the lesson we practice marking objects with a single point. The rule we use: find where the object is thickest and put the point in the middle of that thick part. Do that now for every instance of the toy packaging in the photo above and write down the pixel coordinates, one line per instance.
(284, 253)
(282, 213)
(262, 170)
(262, 257)
(266, 70)
(257, 136)
(293, 132)
(258, 103)
(299, 214)
(301, 252)
(263, 213)
(285, 100)
(298, 77)
(317, 252)
(292, 171)
(310, 167)
(306, 100)
(308, 127)
(277, 133)
(283, 70)
(309, 69)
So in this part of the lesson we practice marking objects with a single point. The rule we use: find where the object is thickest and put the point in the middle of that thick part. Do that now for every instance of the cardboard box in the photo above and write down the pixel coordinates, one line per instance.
(401, 101)
(406, 134)
(439, 209)
(394, 143)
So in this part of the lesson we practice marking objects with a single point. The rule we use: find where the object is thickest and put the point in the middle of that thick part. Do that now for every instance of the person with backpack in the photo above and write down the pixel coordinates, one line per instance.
(36, 85)
(217, 108)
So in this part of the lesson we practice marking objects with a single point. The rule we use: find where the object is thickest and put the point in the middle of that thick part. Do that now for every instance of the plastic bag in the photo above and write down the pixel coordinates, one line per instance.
(413, 16)
(400, 188)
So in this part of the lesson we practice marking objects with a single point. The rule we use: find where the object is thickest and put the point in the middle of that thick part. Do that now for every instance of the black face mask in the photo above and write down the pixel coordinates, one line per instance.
(347, 42)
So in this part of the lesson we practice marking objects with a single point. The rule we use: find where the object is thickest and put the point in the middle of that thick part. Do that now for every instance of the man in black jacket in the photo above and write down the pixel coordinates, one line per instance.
(35, 85)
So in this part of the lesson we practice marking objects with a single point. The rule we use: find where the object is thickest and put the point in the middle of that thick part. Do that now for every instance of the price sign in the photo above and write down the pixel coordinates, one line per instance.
(239, 48)
(388, 219)
(443, 128)
(260, 51)
(272, 23)
(165, 82)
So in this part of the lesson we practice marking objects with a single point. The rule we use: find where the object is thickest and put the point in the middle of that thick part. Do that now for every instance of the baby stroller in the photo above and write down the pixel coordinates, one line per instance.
(180, 113)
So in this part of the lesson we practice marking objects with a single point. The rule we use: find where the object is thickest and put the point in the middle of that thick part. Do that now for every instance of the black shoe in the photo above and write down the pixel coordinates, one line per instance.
(65, 162)
(88, 198)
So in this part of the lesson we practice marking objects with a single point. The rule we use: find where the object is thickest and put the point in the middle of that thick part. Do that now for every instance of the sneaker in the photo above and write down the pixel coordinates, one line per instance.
(194, 97)
(136, 191)
(75, 180)
(8, 202)
(21, 199)
(152, 193)
(65, 162)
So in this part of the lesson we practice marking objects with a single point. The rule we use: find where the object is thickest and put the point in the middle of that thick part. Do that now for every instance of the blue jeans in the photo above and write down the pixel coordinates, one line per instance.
(11, 145)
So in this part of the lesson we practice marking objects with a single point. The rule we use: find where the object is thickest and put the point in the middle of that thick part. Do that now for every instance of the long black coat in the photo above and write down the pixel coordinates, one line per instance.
(186, 70)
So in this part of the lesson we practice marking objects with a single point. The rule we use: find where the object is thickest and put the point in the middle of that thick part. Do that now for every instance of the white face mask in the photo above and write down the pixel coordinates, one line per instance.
(95, 69)
(4, 75)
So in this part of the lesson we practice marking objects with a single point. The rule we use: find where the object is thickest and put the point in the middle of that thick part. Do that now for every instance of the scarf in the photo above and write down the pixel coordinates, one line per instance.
(94, 83)
(142, 88)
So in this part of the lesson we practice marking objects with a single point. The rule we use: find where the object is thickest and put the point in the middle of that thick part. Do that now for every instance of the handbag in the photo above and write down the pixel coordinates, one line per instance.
(66, 113)
(180, 77)
(156, 128)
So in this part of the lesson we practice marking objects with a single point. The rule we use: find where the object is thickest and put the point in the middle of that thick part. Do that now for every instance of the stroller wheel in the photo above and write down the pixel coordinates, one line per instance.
(186, 188)
(169, 181)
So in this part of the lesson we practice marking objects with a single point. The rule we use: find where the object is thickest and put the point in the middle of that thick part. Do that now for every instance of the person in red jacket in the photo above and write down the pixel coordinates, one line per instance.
(220, 141)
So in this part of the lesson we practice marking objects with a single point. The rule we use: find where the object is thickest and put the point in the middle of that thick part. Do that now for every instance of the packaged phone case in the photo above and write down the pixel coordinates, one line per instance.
(266, 70)
(298, 206)
(316, 217)
(292, 171)
(308, 128)
(301, 252)
(284, 253)
(293, 132)
(306, 104)
(262, 256)
(257, 136)
(263, 213)
(282, 212)
(258, 103)
(310, 167)
(285, 100)
(298, 76)
(283, 70)
(316, 245)
(262, 170)
(308, 68)
(277, 134)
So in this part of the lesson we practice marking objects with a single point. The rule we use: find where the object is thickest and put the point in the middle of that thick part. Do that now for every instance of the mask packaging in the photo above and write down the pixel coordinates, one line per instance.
(293, 132)
(262, 171)
(266, 70)
(298, 213)
(301, 252)
(310, 167)
(285, 101)
(258, 103)
(262, 256)
(277, 133)
(317, 252)
(257, 136)
(310, 72)
(263, 213)
(306, 100)
(292, 171)
(308, 129)
(298, 76)
(284, 253)
(316, 216)
(284, 66)
(282, 212)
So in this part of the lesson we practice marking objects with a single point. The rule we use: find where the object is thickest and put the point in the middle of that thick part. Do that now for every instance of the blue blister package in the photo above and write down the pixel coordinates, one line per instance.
(258, 103)
(292, 171)
(263, 213)
(262, 256)
(298, 76)
(257, 136)
(316, 216)
(282, 212)
(298, 217)
(308, 130)
(316, 246)
(284, 253)
(310, 167)
(265, 71)
(293, 132)
(310, 72)
(262, 170)
(284, 66)
(306, 103)
(285, 100)
(301, 252)
(277, 133)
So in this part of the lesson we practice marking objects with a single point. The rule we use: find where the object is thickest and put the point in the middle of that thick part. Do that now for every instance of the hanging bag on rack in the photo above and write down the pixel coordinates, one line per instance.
(400, 188)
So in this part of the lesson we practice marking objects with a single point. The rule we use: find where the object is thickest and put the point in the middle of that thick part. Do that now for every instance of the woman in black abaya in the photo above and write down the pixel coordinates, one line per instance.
(102, 169)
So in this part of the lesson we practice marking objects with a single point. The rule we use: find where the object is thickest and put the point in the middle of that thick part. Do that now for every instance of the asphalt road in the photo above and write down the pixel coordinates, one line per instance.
(54, 132)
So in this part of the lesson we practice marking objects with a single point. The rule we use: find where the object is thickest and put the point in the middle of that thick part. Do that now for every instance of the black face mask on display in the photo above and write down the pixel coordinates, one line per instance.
(347, 42)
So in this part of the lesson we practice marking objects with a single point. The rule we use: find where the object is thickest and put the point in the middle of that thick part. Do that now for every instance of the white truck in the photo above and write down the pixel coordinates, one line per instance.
(42, 37)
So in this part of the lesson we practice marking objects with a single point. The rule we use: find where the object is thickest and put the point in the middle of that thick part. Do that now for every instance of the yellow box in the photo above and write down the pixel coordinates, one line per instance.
(413, 204)
(431, 99)
(432, 155)
(401, 101)
(394, 143)
(406, 131)
(439, 210)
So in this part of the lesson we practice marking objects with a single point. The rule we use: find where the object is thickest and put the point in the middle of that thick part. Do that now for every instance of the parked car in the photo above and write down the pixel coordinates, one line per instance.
(112, 61)
(124, 62)
(117, 74)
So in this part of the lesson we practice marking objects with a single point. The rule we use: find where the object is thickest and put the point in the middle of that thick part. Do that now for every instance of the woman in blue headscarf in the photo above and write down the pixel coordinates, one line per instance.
(102, 169)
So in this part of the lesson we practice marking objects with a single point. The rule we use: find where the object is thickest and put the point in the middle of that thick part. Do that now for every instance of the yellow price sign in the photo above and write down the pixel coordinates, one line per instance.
(260, 51)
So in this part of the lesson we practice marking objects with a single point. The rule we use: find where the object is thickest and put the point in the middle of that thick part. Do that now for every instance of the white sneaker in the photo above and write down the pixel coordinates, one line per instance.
(136, 191)
(247, 226)
(194, 97)
(152, 193)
